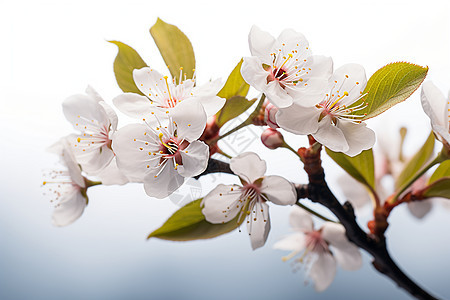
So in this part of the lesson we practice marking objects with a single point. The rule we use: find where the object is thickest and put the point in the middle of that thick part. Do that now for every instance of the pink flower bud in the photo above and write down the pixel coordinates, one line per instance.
(269, 116)
(272, 139)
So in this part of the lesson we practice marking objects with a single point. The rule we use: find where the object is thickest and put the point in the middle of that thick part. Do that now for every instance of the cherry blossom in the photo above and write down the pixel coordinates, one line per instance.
(66, 187)
(333, 120)
(161, 94)
(97, 122)
(226, 202)
(163, 155)
(320, 249)
(283, 68)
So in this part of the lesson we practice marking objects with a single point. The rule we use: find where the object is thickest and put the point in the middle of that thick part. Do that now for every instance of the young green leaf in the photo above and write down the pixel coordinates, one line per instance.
(233, 107)
(175, 48)
(234, 90)
(390, 85)
(188, 223)
(439, 188)
(442, 171)
(416, 162)
(360, 167)
(126, 61)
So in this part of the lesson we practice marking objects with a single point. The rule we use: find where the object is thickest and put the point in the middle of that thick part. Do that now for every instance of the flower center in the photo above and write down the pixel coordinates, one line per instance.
(315, 243)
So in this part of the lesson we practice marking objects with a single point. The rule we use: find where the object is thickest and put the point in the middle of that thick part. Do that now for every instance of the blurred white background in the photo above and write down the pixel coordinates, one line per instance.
(53, 49)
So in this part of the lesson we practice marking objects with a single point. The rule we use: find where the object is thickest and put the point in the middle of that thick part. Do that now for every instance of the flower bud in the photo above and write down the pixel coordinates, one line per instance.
(269, 116)
(272, 139)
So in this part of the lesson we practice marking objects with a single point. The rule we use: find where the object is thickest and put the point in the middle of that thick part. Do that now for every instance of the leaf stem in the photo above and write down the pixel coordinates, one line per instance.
(247, 122)
(315, 213)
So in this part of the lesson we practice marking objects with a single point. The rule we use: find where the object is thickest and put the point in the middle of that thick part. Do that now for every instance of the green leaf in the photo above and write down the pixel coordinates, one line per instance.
(188, 223)
(442, 171)
(439, 188)
(390, 85)
(234, 90)
(175, 48)
(235, 85)
(126, 61)
(233, 107)
(416, 162)
(360, 167)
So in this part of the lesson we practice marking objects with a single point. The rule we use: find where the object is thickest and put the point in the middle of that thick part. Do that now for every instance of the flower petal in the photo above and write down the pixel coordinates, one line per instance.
(133, 105)
(277, 95)
(112, 116)
(95, 161)
(221, 204)
(298, 119)
(322, 271)
(93, 94)
(253, 73)
(69, 208)
(358, 137)
(147, 80)
(435, 106)
(258, 225)
(321, 66)
(260, 43)
(350, 78)
(194, 158)
(331, 136)
(300, 219)
(111, 175)
(353, 191)
(278, 190)
(249, 166)
(290, 39)
(162, 183)
(190, 118)
(82, 109)
(131, 160)
(345, 252)
(292, 242)
(206, 95)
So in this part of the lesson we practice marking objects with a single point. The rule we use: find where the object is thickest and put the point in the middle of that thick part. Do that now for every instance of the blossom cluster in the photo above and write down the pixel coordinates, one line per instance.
(175, 133)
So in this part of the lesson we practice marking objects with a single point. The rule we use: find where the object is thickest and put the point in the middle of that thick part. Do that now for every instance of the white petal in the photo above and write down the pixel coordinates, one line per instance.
(112, 116)
(278, 190)
(311, 94)
(82, 109)
(93, 94)
(299, 120)
(111, 175)
(277, 95)
(293, 242)
(166, 181)
(95, 161)
(300, 219)
(291, 38)
(321, 66)
(323, 271)
(331, 136)
(253, 73)
(221, 204)
(259, 225)
(206, 95)
(420, 209)
(435, 106)
(194, 158)
(133, 105)
(358, 137)
(260, 43)
(127, 144)
(345, 252)
(190, 118)
(152, 84)
(249, 166)
(347, 76)
(69, 209)
(69, 161)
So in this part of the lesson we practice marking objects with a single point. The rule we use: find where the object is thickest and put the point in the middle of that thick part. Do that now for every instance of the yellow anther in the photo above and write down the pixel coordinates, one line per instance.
(78, 140)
